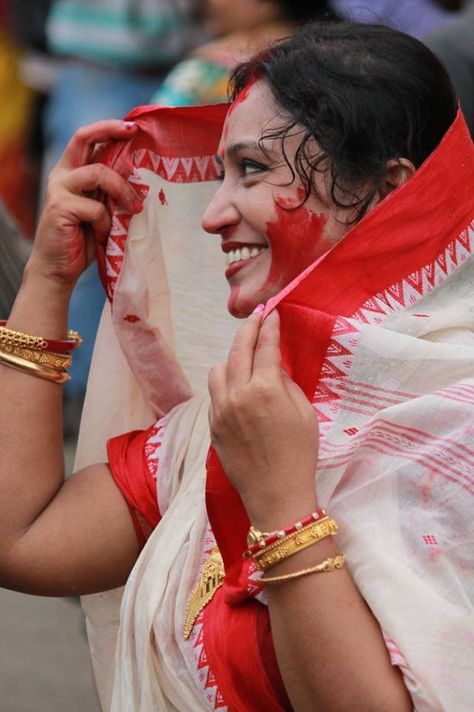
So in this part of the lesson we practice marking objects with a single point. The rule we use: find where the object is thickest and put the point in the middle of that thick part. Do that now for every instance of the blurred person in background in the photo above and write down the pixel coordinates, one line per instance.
(17, 177)
(241, 27)
(454, 45)
(115, 52)
(13, 256)
(446, 26)
(415, 17)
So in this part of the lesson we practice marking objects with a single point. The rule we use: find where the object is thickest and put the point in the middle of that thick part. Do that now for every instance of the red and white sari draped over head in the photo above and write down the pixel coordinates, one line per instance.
(379, 333)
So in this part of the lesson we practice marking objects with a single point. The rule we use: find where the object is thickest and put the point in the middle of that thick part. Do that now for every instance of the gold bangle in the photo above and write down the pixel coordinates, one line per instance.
(19, 338)
(46, 358)
(33, 369)
(331, 564)
(293, 543)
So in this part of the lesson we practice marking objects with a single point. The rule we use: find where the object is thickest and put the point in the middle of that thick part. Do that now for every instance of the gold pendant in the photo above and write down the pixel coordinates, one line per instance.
(210, 580)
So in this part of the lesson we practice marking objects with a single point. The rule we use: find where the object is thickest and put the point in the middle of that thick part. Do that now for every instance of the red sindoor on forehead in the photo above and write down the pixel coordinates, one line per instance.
(243, 94)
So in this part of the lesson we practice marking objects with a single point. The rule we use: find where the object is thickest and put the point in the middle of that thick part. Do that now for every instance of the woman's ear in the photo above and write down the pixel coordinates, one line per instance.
(397, 172)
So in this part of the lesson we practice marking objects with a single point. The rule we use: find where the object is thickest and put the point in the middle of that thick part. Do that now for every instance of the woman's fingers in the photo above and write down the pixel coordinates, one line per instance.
(241, 354)
(79, 149)
(217, 384)
(256, 347)
(267, 355)
(87, 179)
(88, 210)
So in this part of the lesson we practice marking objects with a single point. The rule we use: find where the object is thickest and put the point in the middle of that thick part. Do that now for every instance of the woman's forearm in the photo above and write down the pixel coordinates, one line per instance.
(58, 537)
(31, 463)
(329, 646)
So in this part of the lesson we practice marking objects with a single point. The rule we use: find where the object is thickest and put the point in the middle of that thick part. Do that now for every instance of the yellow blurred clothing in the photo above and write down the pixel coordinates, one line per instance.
(17, 184)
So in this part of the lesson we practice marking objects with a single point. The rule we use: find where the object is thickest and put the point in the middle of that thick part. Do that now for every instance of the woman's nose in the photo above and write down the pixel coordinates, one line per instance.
(220, 213)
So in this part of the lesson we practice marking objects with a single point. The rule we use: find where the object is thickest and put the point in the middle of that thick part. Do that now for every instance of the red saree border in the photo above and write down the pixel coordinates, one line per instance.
(402, 234)
(179, 131)
(237, 632)
(176, 143)
(408, 244)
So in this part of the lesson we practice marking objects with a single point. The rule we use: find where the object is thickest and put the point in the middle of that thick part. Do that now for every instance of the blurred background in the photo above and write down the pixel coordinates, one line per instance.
(66, 63)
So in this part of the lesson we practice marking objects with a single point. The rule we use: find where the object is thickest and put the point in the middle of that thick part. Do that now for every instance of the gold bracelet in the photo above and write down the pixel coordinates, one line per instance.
(34, 369)
(331, 564)
(18, 338)
(46, 358)
(293, 543)
(38, 343)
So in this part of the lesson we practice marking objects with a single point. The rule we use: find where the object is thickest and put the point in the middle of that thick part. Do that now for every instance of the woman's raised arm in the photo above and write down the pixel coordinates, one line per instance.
(57, 537)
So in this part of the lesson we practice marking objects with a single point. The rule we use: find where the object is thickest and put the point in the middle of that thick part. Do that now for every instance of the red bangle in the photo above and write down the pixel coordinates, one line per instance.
(263, 539)
(62, 346)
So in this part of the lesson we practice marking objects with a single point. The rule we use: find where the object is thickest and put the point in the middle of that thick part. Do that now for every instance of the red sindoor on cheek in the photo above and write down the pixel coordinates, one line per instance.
(295, 240)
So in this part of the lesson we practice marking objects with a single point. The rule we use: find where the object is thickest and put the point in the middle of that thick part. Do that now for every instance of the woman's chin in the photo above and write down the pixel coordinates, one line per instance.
(239, 312)
(240, 307)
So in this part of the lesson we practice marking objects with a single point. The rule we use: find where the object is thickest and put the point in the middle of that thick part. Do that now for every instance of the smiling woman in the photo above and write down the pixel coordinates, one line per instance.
(342, 414)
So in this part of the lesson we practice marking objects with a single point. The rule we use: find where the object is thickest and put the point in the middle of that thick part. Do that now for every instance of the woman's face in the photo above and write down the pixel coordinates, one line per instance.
(268, 236)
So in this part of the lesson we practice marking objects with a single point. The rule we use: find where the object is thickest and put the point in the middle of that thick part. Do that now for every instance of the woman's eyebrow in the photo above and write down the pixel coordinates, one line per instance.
(237, 148)
(243, 146)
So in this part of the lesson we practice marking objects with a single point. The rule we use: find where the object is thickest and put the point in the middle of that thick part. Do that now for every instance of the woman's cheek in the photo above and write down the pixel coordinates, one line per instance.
(295, 237)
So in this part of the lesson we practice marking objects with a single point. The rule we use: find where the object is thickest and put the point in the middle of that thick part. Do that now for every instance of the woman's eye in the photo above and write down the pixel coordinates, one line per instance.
(249, 168)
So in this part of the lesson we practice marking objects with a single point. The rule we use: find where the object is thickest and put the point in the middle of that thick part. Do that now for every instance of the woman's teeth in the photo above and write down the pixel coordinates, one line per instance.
(243, 253)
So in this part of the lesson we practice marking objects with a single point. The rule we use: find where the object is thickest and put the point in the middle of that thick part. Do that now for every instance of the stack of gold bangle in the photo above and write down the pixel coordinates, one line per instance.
(298, 538)
(31, 354)
(293, 543)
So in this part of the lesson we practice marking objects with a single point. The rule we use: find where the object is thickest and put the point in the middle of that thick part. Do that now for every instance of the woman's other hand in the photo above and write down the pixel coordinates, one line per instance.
(263, 427)
(72, 216)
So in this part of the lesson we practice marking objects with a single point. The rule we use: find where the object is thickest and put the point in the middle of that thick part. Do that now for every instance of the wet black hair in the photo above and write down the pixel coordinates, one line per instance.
(365, 93)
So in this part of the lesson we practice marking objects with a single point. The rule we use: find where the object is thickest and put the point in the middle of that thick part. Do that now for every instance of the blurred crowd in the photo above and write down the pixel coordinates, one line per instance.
(66, 63)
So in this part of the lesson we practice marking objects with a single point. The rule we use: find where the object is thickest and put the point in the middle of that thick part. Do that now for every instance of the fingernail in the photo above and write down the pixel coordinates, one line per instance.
(259, 309)
(129, 124)
(137, 206)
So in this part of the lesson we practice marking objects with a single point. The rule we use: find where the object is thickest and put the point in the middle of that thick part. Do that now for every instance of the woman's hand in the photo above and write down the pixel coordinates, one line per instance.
(263, 427)
(64, 243)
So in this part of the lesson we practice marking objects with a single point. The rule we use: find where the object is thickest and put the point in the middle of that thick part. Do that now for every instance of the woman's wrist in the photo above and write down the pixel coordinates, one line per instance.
(41, 306)
(39, 278)
(276, 513)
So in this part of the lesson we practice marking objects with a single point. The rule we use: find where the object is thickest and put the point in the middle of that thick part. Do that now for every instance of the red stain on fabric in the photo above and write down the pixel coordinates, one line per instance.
(162, 197)
(131, 318)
